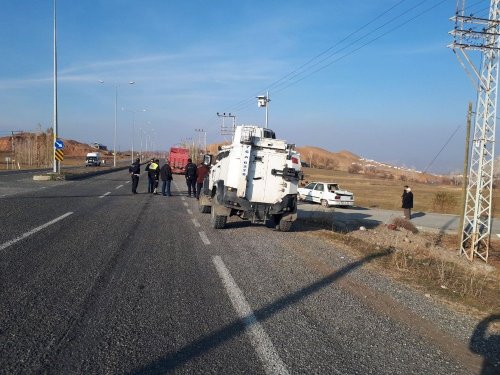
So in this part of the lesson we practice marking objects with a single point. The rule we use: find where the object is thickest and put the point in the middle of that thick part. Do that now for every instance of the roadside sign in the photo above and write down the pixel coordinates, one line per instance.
(59, 154)
(58, 144)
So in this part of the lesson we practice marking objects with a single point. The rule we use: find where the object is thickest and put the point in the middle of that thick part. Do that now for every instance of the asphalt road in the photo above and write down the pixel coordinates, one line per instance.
(95, 280)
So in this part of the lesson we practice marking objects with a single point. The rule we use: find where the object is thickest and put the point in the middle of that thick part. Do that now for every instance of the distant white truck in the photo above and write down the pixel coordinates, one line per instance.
(255, 177)
(93, 159)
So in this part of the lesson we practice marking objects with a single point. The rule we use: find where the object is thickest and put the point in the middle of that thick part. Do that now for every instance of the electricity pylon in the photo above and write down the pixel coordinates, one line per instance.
(473, 33)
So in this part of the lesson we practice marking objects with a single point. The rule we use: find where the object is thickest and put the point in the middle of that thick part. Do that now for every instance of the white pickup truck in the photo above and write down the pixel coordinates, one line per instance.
(326, 193)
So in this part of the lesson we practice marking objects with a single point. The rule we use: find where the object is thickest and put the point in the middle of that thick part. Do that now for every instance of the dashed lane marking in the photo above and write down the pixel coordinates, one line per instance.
(204, 238)
(119, 186)
(195, 222)
(102, 196)
(186, 204)
(189, 211)
(183, 198)
(261, 342)
(128, 182)
(33, 231)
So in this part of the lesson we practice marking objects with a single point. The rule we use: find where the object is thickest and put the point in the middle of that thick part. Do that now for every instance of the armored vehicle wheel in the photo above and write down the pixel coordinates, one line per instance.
(285, 226)
(217, 221)
(324, 203)
(204, 209)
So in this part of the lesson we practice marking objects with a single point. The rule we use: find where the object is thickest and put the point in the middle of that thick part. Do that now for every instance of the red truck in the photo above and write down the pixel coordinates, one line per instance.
(178, 158)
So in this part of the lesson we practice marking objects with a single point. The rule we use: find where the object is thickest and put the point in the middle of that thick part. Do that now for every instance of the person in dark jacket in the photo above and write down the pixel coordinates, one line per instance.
(157, 176)
(407, 202)
(166, 177)
(153, 170)
(135, 172)
(190, 173)
(201, 172)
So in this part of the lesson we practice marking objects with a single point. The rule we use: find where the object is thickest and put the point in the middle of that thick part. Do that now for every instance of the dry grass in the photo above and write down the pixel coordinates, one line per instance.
(421, 260)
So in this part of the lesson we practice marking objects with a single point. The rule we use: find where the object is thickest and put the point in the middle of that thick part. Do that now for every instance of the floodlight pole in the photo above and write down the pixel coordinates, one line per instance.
(56, 165)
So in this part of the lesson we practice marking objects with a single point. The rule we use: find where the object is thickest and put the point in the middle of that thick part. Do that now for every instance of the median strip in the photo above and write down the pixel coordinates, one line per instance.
(33, 231)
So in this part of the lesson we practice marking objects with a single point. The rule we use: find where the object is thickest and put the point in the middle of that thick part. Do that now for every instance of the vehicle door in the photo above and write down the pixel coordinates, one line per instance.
(308, 191)
(317, 192)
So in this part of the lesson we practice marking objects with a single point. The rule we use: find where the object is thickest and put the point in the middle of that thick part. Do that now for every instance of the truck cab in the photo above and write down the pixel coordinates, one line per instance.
(92, 159)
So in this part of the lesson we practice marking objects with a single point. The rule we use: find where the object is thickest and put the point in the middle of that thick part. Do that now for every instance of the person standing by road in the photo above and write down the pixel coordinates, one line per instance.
(407, 202)
(166, 177)
(201, 172)
(135, 172)
(190, 173)
(150, 181)
(152, 168)
(156, 177)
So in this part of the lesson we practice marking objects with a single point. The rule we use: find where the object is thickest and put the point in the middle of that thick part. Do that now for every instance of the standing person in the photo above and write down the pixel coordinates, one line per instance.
(156, 176)
(190, 173)
(150, 179)
(135, 171)
(166, 177)
(153, 170)
(407, 202)
(201, 172)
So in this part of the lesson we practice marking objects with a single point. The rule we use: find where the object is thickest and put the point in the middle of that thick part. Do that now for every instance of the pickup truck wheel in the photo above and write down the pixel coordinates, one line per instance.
(324, 203)
(285, 226)
(217, 221)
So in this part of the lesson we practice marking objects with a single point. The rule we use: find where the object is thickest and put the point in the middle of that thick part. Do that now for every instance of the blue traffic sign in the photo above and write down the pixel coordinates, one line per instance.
(58, 144)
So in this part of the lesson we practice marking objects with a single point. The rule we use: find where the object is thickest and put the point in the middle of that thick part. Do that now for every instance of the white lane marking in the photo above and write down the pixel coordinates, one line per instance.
(204, 238)
(186, 204)
(189, 211)
(195, 222)
(102, 196)
(261, 342)
(183, 199)
(33, 231)
(128, 182)
(119, 186)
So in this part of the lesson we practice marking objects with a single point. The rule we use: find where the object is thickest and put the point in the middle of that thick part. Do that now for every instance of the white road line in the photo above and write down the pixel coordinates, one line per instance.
(128, 182)
(261, 342)
(195, 222)
(204, 238)
(186, 204)
(33, 231)
(119, 186)
(189, 211)
(183, 199)
(102, 196)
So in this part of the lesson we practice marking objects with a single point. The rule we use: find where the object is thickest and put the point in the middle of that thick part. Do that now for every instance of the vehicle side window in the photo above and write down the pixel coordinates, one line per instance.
(310, 186)
(319, 187)
(222, 155)
(333, 187)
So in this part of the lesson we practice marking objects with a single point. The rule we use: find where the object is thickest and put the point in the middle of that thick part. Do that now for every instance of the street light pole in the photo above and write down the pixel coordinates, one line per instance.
(133, 126)
(116, 118)
(56, 165)
(263, 101)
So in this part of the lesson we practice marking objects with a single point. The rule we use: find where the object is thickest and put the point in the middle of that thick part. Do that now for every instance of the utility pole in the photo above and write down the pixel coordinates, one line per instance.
(56, 164)
(479, 34)
(464, 173)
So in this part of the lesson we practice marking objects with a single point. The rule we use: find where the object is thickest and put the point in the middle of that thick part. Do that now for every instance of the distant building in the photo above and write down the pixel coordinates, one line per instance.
(99, 146)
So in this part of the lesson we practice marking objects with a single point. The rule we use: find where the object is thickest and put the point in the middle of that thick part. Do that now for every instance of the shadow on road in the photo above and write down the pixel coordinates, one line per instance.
(417, 214)
(173, 360)
(487, 344)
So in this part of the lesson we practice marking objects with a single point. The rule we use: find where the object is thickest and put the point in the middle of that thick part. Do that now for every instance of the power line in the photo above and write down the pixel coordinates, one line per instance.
(290, 78)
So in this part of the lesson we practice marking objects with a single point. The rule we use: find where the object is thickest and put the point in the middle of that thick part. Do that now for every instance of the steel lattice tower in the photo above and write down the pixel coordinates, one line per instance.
(480, 34)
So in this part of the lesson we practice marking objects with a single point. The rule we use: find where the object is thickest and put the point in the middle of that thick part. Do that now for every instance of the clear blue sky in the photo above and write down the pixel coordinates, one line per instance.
(396, 99)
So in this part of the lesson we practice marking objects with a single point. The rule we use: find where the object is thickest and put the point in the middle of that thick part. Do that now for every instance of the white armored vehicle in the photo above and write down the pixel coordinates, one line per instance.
(256, 177)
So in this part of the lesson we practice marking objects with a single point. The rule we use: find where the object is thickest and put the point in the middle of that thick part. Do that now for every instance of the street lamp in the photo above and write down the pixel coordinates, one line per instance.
(263, 101)
(133, 125)
(116, 116)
